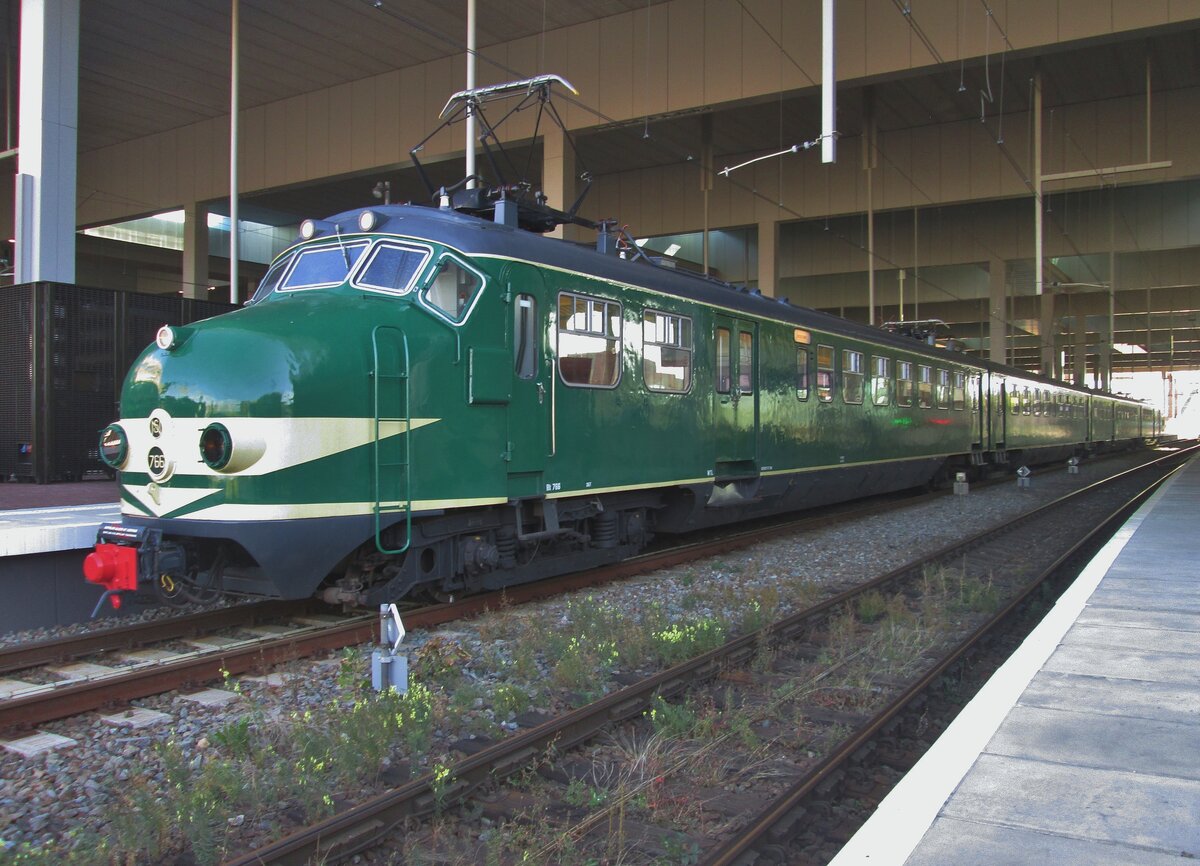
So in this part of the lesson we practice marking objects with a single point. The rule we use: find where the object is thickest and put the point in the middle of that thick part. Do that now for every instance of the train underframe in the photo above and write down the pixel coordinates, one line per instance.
(485, 548)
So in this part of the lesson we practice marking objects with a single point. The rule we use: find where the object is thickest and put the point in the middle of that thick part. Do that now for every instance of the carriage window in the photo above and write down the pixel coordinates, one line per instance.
(525, 337)
(453, 289)
(392, 268)
(825, 373)
(1027, 400)
(723, 381)
(324, 266)
(666, 352)
(589, 340)
(1014, 401)
(881, 384)
(904, 383)
(801, 373)
(852, 376)
(745, 362)
(924, 387)
(960, 391)
(943, 389)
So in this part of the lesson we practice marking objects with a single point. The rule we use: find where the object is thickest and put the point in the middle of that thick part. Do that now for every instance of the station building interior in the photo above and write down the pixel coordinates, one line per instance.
(972, 138)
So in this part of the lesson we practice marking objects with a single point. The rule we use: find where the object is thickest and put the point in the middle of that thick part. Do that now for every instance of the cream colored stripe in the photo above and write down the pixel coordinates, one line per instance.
(295, 511)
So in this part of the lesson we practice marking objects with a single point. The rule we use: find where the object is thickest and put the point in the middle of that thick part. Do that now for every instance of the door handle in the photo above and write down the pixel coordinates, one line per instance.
(541, 389)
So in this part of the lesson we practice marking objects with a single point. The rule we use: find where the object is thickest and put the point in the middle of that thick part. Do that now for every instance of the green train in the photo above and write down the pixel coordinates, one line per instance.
(423, 399)
(440, 399)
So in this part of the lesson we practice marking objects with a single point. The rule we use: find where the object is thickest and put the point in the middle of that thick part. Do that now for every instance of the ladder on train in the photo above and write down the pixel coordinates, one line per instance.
(391, 456)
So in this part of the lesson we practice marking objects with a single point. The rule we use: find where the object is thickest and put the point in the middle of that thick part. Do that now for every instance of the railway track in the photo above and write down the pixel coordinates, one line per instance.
(789, 644)
(276, 632)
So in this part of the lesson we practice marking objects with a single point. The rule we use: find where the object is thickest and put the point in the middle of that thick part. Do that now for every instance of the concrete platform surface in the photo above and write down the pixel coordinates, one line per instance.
(1085, 746)
(47, 530)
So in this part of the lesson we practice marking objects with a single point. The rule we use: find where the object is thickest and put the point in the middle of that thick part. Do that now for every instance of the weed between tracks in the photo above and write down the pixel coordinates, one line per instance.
(686, 771)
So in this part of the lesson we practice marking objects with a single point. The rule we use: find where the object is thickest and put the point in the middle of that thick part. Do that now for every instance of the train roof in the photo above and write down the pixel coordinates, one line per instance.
(474, 235)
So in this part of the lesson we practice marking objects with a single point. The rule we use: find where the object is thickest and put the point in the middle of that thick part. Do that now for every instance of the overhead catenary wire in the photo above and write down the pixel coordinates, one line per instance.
(681, 152)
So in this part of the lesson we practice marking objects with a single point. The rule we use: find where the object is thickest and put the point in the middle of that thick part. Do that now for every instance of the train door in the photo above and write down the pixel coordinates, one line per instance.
(735, 390)
(530, 405)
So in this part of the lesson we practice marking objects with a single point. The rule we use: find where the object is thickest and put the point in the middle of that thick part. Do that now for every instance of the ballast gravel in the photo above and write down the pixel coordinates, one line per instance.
(46, 799)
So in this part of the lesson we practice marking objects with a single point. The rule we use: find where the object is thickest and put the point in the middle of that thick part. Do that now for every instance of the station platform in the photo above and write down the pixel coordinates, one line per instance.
(46, 530)
(1084, 747)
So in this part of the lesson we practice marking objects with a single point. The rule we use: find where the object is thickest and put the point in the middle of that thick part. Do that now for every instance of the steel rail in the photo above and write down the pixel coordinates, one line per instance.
(362, 826)
(120, 637)
(78, 696)
(787, 805)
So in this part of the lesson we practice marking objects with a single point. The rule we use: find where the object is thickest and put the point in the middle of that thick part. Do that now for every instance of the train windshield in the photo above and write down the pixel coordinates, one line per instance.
(316, 267)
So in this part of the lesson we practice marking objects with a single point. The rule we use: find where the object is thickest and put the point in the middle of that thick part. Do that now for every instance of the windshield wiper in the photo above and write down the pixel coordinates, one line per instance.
(342, 244)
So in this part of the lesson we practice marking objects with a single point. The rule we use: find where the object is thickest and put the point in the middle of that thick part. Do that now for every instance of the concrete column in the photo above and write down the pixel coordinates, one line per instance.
(195, 251)
(997, 311)
(768, 257)
(558, 175)
(1049, 358)
(48, 122)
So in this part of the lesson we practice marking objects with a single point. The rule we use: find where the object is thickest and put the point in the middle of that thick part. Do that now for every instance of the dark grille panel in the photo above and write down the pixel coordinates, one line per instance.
(16, 379)
(82, 369)
(62, 396)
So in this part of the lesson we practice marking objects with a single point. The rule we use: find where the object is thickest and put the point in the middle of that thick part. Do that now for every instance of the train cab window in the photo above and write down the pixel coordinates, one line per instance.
(924, 387)
(852, 376)
(942, 389)
(825, 358)
(323, 267)
(881, 381)
(525, 337)
(589, 341)
(666, 352)
(272, 279)
(801, 373)
(392, 267)
(960, 391)
(904, 383)
(452, 289)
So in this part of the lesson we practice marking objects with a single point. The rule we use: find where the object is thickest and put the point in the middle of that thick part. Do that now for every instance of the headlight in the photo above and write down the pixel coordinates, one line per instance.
(114, 446)
(367, 220)
(216, 447)
(171, 337)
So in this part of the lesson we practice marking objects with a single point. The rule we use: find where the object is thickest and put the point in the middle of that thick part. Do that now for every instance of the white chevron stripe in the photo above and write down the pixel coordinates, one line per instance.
(261, 445)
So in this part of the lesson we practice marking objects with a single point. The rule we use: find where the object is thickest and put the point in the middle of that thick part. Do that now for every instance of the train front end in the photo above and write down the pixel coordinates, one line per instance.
(260, 449)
